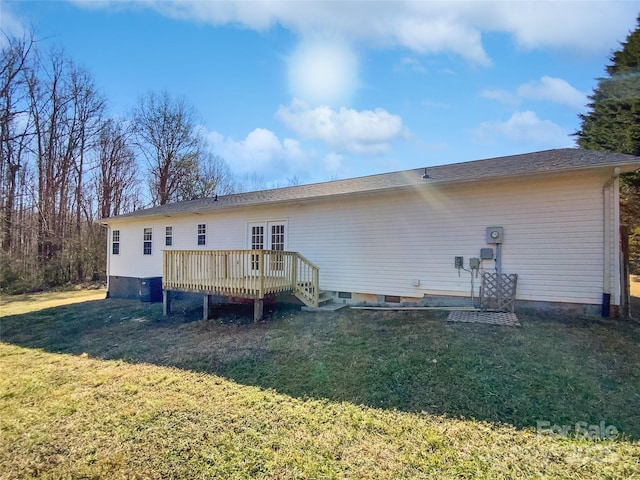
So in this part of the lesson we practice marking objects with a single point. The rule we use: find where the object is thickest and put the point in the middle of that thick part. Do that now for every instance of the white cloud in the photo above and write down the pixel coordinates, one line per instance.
(425, 34)
(549, 89)
(588, 26)
(261, 152)
(345, 130)
(323, 71)
(524, 128)
(423, 27)
(10, 24)
(554, 90)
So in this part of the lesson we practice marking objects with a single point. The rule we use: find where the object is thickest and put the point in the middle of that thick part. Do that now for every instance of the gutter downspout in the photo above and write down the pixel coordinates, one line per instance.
(108, 257)
(608, 231)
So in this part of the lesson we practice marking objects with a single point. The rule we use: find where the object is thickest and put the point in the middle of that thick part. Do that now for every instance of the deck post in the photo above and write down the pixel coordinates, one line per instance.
(206, 303)
(258, 309)
(294, 272)
(261, 274)
(166, 302)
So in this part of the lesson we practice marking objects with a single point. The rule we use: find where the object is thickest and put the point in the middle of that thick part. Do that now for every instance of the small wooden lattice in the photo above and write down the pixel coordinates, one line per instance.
(498, 291)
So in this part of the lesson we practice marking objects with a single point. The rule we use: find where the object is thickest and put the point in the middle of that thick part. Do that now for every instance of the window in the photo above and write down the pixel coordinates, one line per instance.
(202, 234)
(168, 236)
(115, 242)
(147, 237)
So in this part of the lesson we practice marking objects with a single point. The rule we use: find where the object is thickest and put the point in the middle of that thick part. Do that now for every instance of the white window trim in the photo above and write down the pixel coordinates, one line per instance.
(203, 234)
(144, 240)
(115, 242)
(168, 235)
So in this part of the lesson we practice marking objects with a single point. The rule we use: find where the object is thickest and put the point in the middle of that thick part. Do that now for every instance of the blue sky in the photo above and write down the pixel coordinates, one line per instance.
(320, 90)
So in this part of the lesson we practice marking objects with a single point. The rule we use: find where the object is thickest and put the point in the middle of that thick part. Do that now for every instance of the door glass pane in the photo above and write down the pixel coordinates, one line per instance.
(257, 237)
(277, 237)
(277, 244)
(257, 243)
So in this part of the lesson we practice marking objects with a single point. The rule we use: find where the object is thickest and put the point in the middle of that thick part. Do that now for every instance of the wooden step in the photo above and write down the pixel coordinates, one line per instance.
(325, 304)
(324, 299)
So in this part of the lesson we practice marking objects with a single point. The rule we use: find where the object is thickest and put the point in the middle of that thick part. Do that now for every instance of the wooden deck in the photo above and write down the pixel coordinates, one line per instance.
(250, 274)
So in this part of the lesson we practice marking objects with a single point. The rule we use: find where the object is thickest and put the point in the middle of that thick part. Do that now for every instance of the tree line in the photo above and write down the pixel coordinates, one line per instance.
(65, 163)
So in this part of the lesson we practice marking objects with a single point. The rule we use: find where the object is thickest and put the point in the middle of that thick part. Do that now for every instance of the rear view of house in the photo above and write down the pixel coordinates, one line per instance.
(416, 236)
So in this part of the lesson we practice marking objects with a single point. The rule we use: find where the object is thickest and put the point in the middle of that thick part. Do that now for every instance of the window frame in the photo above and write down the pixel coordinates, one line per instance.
(202, 234)
(147, 241)
(168, 236)
(115, 242)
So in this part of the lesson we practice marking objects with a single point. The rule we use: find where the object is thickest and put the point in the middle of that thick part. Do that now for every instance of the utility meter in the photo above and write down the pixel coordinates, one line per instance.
(486, 253)
(494, 234)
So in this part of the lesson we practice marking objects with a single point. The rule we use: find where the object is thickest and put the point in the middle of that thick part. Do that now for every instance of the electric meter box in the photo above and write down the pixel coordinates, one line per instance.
(486, 253)
(495, 234)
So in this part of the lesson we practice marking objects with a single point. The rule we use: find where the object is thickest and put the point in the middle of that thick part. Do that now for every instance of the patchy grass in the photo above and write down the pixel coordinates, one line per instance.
(33, 302)
(111, 388)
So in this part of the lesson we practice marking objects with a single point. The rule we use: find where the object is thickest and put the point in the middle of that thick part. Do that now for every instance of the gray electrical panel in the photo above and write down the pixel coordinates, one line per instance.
(474, 263)
(458, 262)
(486, 253)
(495, 234)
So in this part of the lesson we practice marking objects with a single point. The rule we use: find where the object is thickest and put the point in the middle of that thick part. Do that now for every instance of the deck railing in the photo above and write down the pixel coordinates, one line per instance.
(241, 273)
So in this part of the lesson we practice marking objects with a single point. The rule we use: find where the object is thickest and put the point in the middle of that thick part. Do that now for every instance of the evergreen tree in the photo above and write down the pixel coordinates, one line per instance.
(613, 125)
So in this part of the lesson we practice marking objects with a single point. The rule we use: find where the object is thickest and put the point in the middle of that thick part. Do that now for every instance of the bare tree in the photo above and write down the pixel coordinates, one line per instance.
(116, 180)
(207, 177)
(14, 127)
(166, 132)
(50, 120)
(66, 109)
(251, 182)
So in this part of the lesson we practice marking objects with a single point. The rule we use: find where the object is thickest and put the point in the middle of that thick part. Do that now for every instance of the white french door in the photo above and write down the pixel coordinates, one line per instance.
(268, 236)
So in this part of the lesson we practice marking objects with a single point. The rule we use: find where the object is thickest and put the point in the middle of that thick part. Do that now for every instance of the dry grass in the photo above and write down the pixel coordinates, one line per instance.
(111, 389)
(74, 417)
(635, 285)
(33, 302)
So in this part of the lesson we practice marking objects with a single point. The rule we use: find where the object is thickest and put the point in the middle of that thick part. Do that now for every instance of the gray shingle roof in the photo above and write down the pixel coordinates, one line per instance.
(547, 161)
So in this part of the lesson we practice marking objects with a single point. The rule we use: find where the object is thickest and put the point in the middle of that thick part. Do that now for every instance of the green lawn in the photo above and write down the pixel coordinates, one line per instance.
(107, 389)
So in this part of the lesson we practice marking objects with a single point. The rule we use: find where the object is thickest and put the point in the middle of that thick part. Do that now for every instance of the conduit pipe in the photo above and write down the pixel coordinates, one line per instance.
(611, 213)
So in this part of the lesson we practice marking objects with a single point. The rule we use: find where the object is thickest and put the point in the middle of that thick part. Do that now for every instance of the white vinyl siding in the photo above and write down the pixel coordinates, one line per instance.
(381, 243)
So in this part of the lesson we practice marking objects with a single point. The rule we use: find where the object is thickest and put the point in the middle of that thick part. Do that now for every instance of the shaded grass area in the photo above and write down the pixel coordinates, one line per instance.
(347, 394)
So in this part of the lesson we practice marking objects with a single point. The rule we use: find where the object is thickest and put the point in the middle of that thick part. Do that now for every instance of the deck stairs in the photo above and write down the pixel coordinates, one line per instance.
(325, 304)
